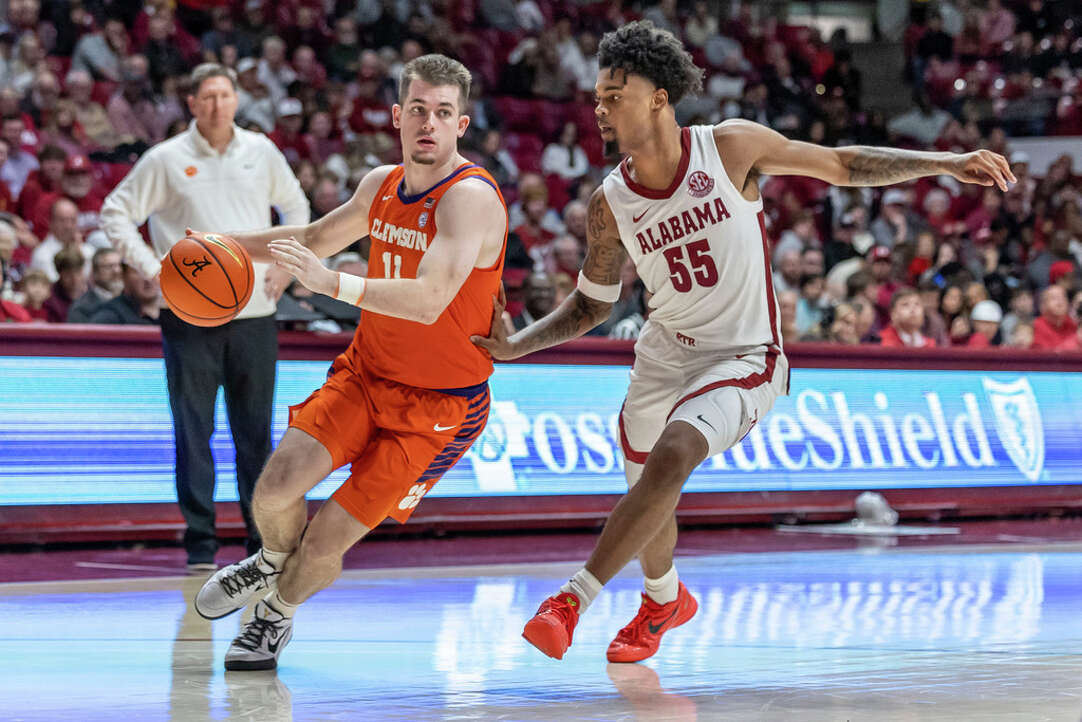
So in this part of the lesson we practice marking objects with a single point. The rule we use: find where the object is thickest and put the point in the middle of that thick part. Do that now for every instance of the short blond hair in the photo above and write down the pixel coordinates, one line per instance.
(438, 70)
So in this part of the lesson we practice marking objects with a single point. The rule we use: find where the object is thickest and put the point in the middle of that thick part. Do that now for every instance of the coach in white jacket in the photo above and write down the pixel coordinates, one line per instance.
(213, 176)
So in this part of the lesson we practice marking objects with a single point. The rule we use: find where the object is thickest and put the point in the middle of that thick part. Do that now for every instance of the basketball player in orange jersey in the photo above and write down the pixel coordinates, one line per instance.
(410, 394)
(685, 206)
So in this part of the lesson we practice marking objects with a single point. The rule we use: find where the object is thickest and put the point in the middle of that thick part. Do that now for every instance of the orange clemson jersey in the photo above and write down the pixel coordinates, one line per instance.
(440, 355)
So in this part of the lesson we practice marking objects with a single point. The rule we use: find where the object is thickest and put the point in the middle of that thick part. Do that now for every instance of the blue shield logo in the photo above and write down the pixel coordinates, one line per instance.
(1018, 423)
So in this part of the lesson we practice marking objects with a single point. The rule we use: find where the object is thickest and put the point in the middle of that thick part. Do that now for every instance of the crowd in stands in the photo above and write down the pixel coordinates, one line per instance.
(88, 85)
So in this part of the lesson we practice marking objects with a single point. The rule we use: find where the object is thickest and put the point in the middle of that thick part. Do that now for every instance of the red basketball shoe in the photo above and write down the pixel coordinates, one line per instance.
(641, 637)
(551, 628)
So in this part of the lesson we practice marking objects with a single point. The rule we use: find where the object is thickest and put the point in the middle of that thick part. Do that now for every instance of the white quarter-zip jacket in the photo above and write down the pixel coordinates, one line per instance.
(183, 182)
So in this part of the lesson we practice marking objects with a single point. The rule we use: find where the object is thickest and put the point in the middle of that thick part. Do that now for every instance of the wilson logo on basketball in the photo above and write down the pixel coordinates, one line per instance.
(190, 171)
(699, 184)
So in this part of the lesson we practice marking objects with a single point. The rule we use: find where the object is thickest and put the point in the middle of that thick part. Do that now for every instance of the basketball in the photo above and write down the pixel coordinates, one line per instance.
(207, 278)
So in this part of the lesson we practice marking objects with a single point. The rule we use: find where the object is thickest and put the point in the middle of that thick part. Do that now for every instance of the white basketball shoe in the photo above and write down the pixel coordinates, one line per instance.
(232, 587)
(261, 641)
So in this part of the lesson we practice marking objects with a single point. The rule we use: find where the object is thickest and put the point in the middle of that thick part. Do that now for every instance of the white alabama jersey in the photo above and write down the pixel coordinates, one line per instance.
(701, 250)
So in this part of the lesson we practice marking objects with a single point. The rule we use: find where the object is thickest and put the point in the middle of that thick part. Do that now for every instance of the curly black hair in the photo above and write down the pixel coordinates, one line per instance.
(657, 55)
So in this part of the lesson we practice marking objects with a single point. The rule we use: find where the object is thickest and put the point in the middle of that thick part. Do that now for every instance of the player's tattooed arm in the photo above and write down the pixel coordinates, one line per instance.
(578, 313)
(869, 166)
(757, 148)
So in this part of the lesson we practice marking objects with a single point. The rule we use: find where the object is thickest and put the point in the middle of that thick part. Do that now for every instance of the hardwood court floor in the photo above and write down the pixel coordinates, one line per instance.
(954, 633)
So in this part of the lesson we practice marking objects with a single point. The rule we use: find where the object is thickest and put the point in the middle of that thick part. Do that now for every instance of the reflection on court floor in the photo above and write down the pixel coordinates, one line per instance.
(948, 634)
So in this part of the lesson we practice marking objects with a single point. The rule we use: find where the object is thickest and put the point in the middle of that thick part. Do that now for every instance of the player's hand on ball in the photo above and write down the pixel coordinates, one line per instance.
(496, 342)
(983, 167)
(303, 265)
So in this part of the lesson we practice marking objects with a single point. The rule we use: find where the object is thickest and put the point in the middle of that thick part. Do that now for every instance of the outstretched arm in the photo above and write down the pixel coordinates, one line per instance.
(579, 312)
(766, 151)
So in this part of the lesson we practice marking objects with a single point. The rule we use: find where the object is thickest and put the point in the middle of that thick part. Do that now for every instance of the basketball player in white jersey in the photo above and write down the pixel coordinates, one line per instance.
(685, 205)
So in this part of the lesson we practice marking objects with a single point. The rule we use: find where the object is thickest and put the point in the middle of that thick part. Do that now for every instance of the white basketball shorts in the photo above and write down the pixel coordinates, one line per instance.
(721, 396)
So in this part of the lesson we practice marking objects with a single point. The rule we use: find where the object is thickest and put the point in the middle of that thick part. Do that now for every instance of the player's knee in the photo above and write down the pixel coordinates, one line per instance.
(272, 490)
(319, 549)
(673, 458)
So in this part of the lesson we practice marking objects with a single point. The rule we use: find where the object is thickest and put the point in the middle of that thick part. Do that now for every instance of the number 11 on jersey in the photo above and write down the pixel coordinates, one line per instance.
(387, 265)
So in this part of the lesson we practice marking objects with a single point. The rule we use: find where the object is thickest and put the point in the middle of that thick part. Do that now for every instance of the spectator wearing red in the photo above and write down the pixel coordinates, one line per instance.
(71, 283)
(36, 289)
(882, 268)
(287, 133)
(308, 69)
(78, 185)
(981, 218)
(1061, 273)
(985, 317)
(371, 113)
(922, 256)
(1054, 329)
(13, 312)
(535, 206)
(144, 32)
(937, 210)
(46, 179)
(906, 319)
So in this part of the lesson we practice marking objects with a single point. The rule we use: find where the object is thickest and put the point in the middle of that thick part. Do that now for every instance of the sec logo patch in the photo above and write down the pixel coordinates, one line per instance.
(699, 184)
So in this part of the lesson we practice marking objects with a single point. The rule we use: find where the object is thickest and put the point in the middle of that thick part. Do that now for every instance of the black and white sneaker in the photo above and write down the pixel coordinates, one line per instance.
(261, 641)
(232, 587)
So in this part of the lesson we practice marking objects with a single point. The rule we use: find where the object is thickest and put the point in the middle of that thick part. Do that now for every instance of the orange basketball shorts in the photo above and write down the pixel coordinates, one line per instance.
(399, 440)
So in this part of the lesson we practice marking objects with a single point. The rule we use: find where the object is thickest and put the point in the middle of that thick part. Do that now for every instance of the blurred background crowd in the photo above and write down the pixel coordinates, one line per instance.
(88, 85)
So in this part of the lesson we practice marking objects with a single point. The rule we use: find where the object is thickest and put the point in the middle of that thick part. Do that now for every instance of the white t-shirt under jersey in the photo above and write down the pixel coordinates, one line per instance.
(701, 250)
(183, 181)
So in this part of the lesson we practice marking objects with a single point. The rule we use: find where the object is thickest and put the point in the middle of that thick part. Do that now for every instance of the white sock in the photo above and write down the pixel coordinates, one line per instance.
(583, 585)
(274, 601)
(277, 560)
(665, 588)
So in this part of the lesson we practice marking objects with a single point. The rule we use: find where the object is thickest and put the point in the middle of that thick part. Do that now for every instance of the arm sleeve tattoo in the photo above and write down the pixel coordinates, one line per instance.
(580, 313)
(882, 166)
